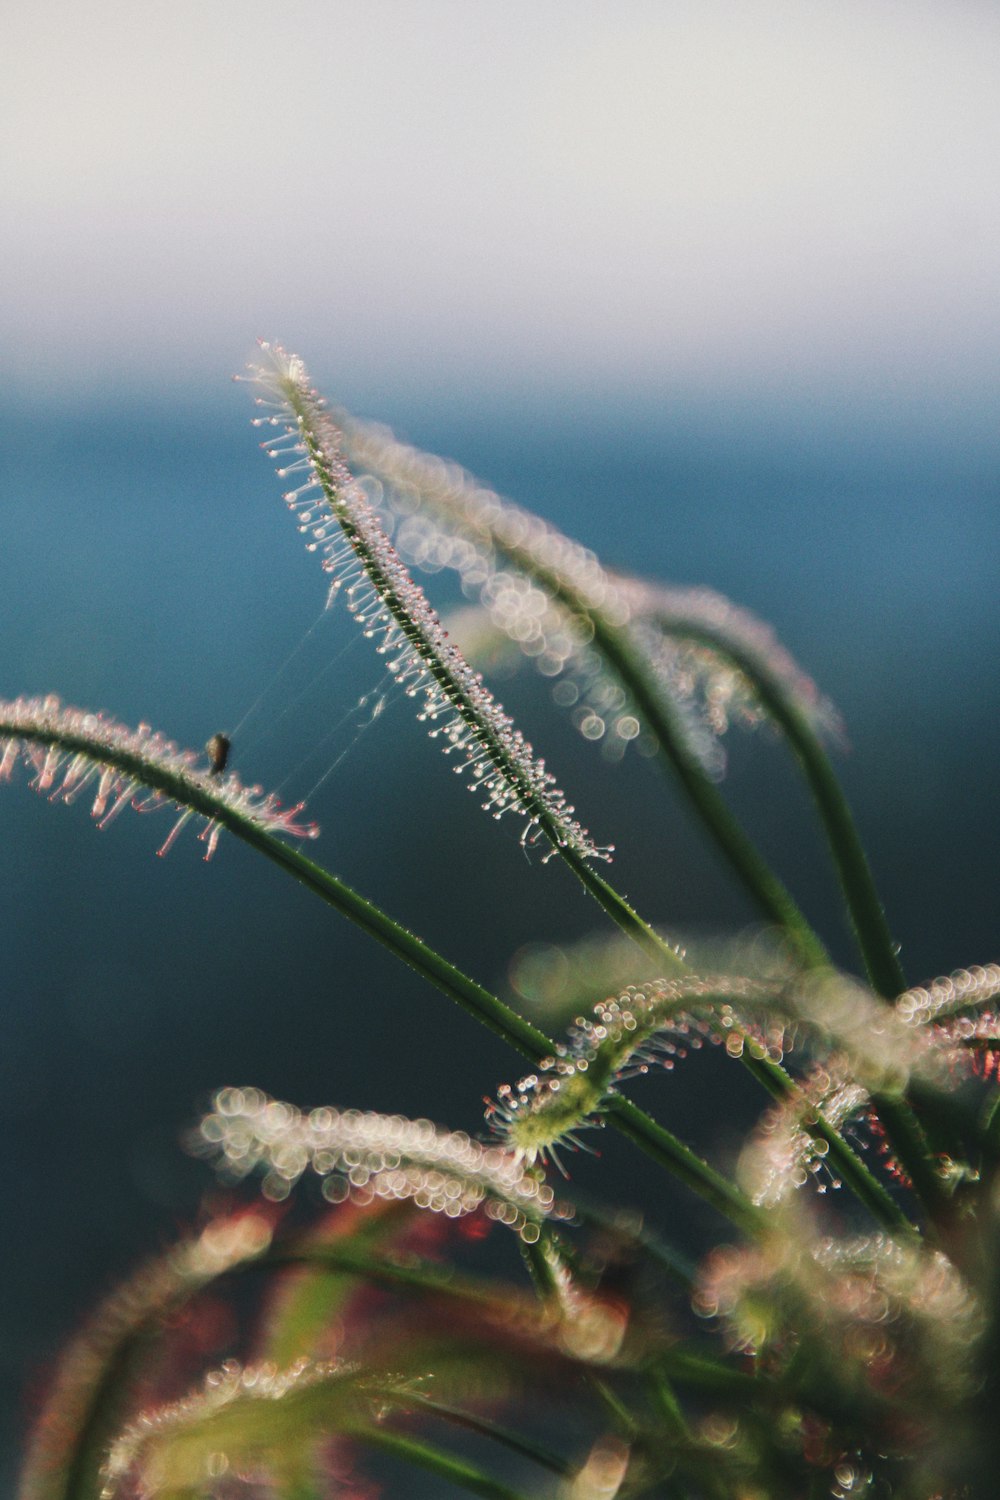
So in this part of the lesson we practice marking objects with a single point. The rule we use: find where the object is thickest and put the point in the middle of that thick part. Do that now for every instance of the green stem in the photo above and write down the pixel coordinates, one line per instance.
(653, 1138)
(737, 848)
(853, 871)
(446, 1466)
(627, 662)
(665, 1148)
(662, 722)
(865, 907)
(620, 912)
(515, 1441)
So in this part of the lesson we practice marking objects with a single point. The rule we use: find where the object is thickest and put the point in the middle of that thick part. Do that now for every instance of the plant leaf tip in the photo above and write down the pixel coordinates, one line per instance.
(69, 751)
(331, 508)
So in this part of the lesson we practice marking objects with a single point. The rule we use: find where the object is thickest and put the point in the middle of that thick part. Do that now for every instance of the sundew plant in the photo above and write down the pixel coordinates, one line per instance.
(839, 1339)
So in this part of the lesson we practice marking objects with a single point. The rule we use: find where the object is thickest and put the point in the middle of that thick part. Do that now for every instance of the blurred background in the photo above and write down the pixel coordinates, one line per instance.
(714, 287)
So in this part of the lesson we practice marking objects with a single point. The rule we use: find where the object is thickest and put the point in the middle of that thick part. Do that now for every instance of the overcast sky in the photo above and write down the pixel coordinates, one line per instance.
(686, 195)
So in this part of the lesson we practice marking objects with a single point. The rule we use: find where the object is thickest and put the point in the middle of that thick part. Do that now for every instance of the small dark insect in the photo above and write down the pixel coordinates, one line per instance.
(217, 751)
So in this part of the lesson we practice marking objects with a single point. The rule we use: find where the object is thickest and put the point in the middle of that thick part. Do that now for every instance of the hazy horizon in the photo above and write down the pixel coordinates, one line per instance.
(666, 203)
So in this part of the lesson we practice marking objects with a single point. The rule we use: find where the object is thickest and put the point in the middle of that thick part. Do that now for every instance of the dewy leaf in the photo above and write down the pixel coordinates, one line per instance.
(243, 1416)
(70, 751)
(966, 989)
(730, 650)
(252, 1424)
(654, 1024)
(446, 519)
(332, 509)
(368, 1156)
(893, 1313)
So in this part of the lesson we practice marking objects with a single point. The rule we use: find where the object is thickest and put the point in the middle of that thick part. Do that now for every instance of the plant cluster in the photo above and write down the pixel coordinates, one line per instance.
(801, 1358)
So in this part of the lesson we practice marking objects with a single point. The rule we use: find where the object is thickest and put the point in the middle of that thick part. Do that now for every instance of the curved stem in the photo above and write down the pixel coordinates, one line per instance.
(853, 871)
(317, 441)
(738, 849)
(472, 1422)
(660, 719)
(857, 884)
(437, 1461)
(682, 1162)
